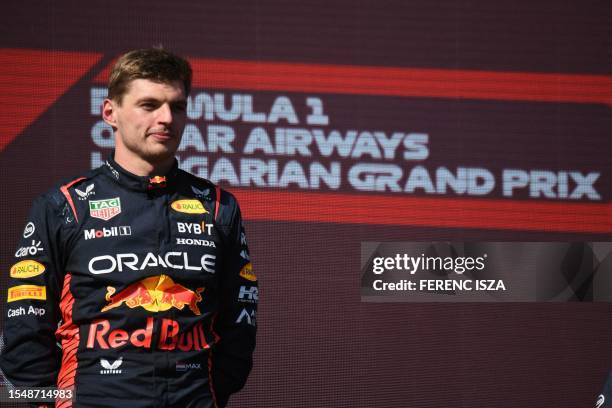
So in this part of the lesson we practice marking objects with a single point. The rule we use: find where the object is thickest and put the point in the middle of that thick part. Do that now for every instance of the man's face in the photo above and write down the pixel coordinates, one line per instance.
(150, 120)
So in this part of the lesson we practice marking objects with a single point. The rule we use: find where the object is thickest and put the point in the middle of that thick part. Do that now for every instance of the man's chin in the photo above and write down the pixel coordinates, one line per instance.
(159, 154)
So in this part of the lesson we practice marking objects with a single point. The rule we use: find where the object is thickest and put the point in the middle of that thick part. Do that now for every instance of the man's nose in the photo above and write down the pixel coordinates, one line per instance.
(164, 114)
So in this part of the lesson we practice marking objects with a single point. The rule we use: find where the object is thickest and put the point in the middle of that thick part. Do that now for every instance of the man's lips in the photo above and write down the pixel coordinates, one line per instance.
(162, 136)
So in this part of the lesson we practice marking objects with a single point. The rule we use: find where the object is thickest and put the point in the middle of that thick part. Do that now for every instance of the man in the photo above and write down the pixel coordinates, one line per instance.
(140, 270)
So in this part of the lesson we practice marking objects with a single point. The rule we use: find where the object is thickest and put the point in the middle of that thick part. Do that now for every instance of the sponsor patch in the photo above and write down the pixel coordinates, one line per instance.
(29, 229)
(36, 311)
(170, 336)
(173, 260)
(195, 242)
(189, 207)
(248, 294)
(194, 228)
(157, 180)
(188, 366)
(154, 294)
(31, 250)
(27, 269)
(247, 273)
(111, 368)
(83, 195)
(108, 232)
(27, 292)
(246, 317)
(105, 209)
(204, 193)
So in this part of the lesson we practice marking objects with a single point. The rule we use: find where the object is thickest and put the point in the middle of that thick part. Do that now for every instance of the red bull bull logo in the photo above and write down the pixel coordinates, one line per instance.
(157, 182)
(154, 294)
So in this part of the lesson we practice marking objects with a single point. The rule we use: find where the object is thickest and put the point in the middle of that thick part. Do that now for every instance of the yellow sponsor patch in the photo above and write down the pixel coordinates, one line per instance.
(189, 207)
(247, 273)
(27, 292)
(27, 269)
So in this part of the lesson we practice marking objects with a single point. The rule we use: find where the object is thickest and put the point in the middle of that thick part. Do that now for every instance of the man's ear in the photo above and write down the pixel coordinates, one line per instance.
(109, 112)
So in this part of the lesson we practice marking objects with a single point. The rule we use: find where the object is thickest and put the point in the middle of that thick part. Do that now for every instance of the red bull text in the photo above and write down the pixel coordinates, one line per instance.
(170, 336)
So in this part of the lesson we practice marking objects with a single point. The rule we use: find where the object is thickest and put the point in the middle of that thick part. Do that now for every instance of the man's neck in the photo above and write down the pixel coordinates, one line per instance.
(140, 167)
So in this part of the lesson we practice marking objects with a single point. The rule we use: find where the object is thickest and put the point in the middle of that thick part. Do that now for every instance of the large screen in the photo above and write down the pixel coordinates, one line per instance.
(339, 123)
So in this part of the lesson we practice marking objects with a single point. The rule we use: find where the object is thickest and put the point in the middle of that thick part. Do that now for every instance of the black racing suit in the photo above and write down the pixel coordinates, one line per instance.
(147, 285)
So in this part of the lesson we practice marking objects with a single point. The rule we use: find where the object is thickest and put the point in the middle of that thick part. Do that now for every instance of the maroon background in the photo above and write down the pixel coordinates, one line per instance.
(317, 344)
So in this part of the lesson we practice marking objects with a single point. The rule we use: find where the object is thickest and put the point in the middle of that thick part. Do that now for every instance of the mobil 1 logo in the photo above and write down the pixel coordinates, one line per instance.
(120, 231)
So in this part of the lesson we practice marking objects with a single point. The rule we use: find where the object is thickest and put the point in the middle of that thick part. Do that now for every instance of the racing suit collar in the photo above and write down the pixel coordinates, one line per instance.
(139, 183)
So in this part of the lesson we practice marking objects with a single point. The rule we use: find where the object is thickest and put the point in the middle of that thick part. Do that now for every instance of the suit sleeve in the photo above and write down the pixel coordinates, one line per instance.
(604, 399)
(236, 322)
(30, 356)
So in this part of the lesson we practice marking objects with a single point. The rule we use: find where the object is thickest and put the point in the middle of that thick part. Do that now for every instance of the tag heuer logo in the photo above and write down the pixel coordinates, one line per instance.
(105, 209)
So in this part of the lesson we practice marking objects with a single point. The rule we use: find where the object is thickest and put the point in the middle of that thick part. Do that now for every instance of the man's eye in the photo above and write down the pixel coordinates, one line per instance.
(149, 106)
